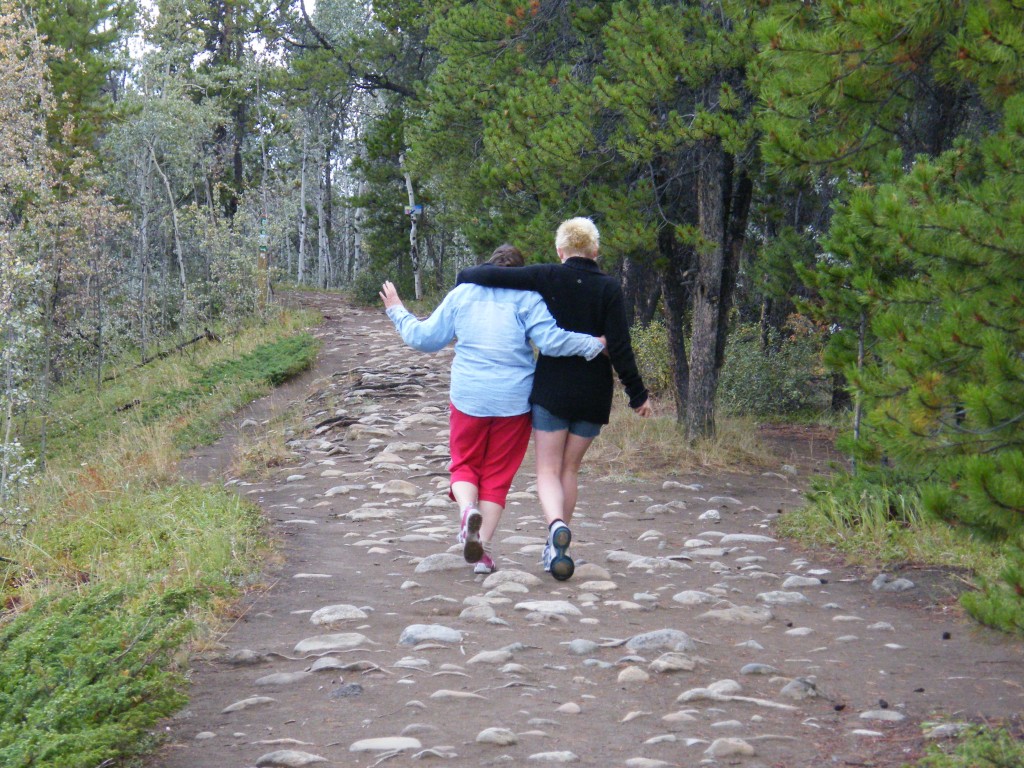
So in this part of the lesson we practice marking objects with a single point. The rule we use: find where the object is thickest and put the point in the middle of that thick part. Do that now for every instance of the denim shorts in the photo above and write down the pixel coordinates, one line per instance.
(546, 421)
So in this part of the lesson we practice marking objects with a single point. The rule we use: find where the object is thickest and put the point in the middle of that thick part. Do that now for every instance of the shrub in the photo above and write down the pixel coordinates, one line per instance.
(650, 346)
(84, 677)
(785, 378)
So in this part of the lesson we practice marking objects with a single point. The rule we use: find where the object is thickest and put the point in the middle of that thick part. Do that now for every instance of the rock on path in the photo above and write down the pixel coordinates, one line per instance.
(684, 638)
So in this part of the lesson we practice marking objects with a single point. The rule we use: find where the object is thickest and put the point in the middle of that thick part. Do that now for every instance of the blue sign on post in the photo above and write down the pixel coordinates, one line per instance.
(413, 210)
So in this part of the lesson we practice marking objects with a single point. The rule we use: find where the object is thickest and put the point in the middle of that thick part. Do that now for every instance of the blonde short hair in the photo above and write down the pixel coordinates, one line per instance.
(578, 237)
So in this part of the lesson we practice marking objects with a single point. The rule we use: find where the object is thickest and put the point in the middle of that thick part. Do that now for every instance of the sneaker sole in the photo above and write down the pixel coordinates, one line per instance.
(562, 566)
(473, 549)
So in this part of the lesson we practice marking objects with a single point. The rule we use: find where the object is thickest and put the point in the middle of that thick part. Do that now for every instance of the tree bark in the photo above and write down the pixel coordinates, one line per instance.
(179, 252)
(700, 401)
(300, 269)
(414, 251)
(675, 293)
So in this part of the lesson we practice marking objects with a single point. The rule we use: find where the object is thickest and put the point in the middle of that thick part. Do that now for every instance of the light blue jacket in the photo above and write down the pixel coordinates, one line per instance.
(493, 368)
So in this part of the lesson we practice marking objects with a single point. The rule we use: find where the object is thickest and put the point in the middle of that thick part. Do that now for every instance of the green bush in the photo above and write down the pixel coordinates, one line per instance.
(650, 347)
(84, 677)
(785, 378)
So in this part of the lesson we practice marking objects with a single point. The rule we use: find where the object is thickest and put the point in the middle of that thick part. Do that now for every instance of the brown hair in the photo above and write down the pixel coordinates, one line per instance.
(507, 256)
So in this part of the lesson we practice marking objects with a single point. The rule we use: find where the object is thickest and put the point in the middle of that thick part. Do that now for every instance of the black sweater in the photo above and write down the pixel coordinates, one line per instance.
(581, 298)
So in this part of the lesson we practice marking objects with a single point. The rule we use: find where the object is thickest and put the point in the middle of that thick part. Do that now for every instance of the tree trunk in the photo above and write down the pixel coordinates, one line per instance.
(174, 221)
(700, 401)
(323, 251)
(414, 252)
(300, 269)
(736, 214)
(675, 292)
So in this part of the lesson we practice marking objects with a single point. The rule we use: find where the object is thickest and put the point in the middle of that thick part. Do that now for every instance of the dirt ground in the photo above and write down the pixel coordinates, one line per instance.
(680, 641)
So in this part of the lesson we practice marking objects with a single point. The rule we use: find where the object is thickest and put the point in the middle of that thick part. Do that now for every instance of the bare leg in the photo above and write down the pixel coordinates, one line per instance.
(572, 457)
(492, 516)
(548, 447)
(465, 494)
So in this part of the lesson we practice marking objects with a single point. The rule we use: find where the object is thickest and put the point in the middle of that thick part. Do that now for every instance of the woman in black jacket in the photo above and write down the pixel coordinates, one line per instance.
(571, 397)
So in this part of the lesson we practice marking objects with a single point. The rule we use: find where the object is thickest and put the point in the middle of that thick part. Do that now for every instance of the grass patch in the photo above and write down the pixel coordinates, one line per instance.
(872, 523)
(633, 447)
(87, 648)
(980, 748)
(82, 677)
(221, 376)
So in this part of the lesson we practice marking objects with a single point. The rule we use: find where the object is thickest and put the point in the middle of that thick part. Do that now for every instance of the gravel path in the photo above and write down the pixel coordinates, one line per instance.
(689, 634)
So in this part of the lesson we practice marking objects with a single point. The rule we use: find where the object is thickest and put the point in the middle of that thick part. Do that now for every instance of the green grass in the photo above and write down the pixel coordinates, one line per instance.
(220, 375)
(882, 524)
(979, 748)
(122, 566)
(83, 676)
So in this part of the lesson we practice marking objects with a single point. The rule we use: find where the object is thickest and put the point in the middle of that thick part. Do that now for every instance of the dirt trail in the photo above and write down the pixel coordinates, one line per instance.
(688, 635)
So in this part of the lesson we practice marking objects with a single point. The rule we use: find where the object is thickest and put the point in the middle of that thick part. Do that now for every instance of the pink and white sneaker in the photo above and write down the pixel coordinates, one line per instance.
(469, 535)
(485, 565)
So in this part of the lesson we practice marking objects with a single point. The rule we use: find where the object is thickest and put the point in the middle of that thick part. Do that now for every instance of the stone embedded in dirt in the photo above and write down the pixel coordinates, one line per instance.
(800, 688)
(668, 639)
(554, 757)
(442, 561)
(653, 564)
(646, 762)
(479, 613)
(252, 701)
(400, 488)
(886, 715)
(288, 758)
(282, 678)
(582, 647)
(325, 643)
(501, 737)
(326, 663)
(444, 693)
(711, 515)
(673, 662)
(758, 669)
(745, 538)
(740, 614)
(633, 675)
(385, 744)
(334, 613)
(244, 657)
(550, 607)
(795, 582)
(782, 598)
(694, 597)
(421, 633)
(730, 747)
(883, 582)
(590, 571)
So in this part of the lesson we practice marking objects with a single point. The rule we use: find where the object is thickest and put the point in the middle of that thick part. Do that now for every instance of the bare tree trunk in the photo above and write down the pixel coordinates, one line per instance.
(676, 294)
(174, 221)
(700, 402)
(323, 251)
(300, 274)
(414, 252)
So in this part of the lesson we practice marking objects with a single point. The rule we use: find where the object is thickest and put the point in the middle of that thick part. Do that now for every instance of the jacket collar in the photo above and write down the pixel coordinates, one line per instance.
(580, 262)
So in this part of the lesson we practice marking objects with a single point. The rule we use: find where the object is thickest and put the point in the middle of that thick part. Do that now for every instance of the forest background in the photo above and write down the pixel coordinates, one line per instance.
(816, 210)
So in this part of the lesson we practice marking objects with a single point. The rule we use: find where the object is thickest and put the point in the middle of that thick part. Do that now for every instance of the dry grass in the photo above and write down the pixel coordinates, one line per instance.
(631, 446)
(265, 447)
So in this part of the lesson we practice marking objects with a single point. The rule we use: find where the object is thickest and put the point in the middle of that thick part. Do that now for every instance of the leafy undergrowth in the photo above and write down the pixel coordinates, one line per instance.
(879, 524)
(979, 748)
(83, 676)
(89, 648)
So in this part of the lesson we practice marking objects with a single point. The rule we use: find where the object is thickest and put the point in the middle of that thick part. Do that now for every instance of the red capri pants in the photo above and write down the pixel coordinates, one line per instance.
(487, 451)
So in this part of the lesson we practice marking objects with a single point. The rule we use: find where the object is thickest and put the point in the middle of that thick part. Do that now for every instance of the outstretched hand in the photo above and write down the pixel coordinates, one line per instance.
(644, 410)
(389, 295)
